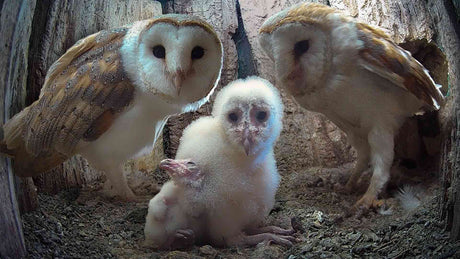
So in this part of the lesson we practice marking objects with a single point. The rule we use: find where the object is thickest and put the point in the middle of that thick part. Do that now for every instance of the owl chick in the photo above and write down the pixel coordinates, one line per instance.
(108, 96)
(234, 150)
(173, 217)
(355, 75)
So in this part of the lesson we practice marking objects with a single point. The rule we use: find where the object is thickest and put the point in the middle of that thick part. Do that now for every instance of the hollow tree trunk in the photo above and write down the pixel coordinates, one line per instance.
(35, 33)
(15, 31)
(446, 17)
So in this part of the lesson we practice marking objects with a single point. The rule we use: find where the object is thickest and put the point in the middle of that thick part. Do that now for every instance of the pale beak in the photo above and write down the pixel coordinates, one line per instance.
(246, 140)
(178, 77)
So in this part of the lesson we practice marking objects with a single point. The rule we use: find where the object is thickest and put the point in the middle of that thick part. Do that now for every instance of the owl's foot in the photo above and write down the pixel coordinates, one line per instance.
(183, 238)
(272, 229)
(252, 240)
(367, 203)
(268, 234)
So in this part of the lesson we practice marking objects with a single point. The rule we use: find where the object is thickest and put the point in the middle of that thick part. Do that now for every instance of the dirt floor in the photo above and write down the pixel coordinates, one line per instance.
(83, 224)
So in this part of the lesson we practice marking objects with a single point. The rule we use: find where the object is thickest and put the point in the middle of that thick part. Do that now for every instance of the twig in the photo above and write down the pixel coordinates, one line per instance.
(384, 245)
(356, 240)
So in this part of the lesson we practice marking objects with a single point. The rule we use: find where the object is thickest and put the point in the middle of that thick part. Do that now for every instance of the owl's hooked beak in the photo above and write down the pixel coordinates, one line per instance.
(247, 140)
(178, 77)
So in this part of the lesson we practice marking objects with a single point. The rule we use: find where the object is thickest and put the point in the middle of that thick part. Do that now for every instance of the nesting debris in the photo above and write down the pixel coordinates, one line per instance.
(94, 227)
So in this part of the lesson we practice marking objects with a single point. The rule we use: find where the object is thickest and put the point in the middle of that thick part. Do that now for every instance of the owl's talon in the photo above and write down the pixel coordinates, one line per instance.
(368, 202)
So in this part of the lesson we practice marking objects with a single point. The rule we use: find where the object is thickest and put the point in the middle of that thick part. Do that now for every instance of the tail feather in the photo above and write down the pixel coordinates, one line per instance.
(4, 149)
(13, 144)
(13, 129)
(3, 146)
(28, 165)
(11, 133)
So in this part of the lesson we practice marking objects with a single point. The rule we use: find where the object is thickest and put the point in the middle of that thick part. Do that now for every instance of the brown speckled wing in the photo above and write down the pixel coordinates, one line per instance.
(84, 91)
(383, 57)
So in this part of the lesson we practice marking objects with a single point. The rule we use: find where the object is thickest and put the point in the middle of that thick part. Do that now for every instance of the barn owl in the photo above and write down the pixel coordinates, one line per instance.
(173, 217)
(355, 75)
(109, 95)
(233, 150)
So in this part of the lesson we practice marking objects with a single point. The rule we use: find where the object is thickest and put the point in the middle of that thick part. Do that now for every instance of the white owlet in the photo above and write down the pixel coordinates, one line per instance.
(108, 96)
(174, 220)
(355, 75)
(233, 150)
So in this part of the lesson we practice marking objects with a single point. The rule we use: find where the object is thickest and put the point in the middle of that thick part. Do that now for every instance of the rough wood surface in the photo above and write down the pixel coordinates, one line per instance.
(12, 245)
(446, 24)
(15, 20)
(57, 26)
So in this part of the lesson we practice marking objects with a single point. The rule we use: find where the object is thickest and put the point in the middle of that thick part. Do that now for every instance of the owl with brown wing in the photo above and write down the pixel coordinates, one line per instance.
(109, 95)
(355, 75)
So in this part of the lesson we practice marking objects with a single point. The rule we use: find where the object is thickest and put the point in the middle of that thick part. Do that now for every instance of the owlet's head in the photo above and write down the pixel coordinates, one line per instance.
(250, 112)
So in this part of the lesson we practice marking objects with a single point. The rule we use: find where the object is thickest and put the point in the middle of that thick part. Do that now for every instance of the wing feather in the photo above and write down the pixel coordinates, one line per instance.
(382, 56)
(84, 91)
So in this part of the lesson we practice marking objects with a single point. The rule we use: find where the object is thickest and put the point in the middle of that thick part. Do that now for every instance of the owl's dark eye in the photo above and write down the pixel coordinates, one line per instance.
(233, 117)
(159, 51)
(261, 116)
(190, 163)
(197, 52)
(301, 47)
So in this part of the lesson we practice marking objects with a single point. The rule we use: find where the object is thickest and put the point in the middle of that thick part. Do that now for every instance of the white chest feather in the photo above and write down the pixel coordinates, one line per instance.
(132, 131)
(235, 188)
(360, 101)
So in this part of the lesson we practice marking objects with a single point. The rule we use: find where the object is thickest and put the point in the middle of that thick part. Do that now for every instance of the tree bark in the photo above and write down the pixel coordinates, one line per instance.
(15, 31)
(446, 20)
(12, 245)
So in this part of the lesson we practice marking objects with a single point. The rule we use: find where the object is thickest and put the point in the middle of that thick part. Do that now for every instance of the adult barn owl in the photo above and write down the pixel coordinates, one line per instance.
(233, 150)
(355, 75)
(108, 96)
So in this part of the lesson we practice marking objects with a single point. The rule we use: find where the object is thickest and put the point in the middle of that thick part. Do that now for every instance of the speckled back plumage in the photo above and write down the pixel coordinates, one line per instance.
(377, 52)
(108, 96)
(57, 123)
(70, 110)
